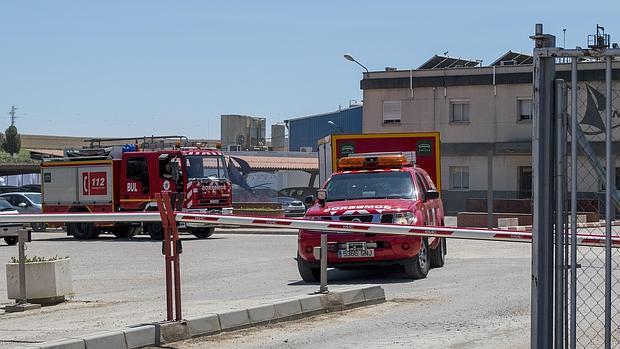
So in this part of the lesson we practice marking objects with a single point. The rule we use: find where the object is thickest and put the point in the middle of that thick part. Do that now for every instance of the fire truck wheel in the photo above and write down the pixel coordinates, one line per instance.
(202, 233)
(10, 240)
(438, 255)
(307, 273)
(82, 231)
(126, 232)
(419, 268)
(155, 230)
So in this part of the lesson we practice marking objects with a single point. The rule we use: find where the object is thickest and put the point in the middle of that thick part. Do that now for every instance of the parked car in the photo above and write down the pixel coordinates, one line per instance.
(292, 207)
(298, 193)
(26, 202)
(36, 188)
(8, 189)
(7, 208)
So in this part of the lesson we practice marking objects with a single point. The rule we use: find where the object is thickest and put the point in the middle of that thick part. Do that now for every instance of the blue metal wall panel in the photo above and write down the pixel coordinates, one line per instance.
(305, 132)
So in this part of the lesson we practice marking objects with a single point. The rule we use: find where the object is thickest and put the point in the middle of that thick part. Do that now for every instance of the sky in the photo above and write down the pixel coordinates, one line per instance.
(135, 68)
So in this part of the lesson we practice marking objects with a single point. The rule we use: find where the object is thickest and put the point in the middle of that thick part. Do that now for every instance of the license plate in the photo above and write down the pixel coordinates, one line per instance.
(357, 253)
(214, 201)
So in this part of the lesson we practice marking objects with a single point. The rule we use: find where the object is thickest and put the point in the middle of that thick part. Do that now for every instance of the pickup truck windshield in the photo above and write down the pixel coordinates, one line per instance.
(370, 185)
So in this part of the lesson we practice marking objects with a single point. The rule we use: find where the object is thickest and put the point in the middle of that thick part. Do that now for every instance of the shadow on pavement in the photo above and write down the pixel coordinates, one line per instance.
(366, 276)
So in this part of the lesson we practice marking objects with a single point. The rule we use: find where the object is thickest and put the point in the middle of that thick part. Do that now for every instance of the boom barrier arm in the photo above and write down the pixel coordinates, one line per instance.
(329, 226)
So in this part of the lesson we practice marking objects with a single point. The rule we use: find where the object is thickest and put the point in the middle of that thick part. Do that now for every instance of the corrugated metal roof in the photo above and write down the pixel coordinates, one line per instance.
(280, 162)
(50, 152)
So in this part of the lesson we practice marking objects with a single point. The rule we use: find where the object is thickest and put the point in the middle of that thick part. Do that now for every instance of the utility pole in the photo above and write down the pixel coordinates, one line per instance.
(12, 113)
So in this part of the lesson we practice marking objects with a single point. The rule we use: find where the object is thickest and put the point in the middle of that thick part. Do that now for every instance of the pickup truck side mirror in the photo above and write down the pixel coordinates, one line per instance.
(321, 196)
(431, 194)
(309, 200)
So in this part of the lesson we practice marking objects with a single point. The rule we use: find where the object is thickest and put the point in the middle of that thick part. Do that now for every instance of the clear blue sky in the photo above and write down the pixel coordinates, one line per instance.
(132, 68)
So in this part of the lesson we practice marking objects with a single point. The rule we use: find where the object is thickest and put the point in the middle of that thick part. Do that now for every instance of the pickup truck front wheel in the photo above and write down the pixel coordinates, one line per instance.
(421, 264)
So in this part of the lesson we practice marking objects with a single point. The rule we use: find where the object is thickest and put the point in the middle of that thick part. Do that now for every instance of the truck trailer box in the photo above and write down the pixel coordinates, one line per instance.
(78, 183)
(426, 146)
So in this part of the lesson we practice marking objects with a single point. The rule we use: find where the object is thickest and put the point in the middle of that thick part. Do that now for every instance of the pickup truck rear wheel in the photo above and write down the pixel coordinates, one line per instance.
(10, 240)
(438, 255)
(202, 233)
(419, 268)
(307, 273)
(82, 231)
(155, 230)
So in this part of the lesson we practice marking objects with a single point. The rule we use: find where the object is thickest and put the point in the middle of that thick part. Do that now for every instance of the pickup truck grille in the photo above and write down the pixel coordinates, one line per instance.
(369, 218)
(361, 218)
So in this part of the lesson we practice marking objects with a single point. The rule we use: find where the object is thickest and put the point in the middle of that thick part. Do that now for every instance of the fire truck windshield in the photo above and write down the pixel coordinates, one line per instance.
(205, 166)
(370, 185)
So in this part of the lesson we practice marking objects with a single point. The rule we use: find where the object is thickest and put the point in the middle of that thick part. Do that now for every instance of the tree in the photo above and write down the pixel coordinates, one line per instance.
(12, 141)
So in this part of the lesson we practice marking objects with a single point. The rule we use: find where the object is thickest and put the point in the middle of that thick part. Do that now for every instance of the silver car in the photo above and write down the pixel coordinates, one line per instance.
(26, 202)
(6, 208)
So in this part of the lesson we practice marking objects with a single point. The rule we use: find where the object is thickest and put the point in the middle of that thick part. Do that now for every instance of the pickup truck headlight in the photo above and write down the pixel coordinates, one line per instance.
(403, 218)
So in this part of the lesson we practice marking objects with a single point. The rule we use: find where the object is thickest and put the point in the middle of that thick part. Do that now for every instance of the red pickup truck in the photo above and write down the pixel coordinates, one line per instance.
(375, 188)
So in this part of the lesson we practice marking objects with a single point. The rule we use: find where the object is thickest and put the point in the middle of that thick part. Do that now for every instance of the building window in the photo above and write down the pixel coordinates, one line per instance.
(601, 182)
(459, 111)
(391, 112)
(525, 182)
(459, 178)
(525, 109)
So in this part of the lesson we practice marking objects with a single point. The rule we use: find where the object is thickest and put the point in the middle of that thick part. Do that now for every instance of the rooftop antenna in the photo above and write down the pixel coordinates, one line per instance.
(445, 53)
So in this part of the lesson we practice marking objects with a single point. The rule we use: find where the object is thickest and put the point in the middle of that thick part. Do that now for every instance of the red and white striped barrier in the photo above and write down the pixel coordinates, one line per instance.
(315, 225)
(393, 229)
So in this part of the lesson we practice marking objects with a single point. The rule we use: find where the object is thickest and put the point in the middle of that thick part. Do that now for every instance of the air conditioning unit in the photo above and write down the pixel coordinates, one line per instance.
(306, 149)
(234, 147)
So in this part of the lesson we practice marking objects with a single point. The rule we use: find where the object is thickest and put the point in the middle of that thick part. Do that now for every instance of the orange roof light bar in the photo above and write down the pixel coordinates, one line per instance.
(362, 161)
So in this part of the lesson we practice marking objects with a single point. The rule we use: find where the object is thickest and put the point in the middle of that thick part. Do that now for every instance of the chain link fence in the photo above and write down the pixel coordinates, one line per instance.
(588, 319)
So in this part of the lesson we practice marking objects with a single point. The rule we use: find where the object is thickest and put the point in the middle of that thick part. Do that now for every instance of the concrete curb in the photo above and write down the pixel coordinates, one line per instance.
(208, 324)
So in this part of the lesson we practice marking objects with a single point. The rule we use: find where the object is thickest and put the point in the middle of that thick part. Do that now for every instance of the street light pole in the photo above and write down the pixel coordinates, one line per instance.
(348, 57)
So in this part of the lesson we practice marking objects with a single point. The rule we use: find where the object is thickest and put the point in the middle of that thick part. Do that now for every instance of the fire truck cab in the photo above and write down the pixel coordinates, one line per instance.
(385, 188)
(126, 180)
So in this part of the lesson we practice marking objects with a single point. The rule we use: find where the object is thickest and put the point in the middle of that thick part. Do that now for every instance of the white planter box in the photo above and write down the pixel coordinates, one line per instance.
(46, 282)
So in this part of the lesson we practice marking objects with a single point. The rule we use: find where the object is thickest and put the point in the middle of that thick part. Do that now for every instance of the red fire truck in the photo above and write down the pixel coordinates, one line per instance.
(375, 188)
(125, 179)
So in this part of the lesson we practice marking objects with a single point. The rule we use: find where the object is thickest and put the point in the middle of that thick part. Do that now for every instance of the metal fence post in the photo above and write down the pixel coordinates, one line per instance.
(323, 287)
(609, 209)
(560, 142)
(573, 205)
(542, 163)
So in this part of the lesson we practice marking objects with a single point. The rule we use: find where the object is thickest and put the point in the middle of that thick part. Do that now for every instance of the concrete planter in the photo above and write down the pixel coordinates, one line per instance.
(46, 282)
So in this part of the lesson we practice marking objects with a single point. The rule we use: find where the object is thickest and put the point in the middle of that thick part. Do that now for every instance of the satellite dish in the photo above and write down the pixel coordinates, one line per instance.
(240, 139)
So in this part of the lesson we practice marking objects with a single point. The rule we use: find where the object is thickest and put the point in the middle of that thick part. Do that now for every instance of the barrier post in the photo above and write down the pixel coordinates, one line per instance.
(22, 304)
(323, 287)
(176, 250)
(167, 255)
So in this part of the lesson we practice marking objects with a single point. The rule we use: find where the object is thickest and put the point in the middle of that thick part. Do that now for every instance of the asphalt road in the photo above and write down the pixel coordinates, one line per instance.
(479, 299)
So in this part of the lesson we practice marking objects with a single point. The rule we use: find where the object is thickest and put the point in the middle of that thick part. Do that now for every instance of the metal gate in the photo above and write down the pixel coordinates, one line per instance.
(575, 289)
